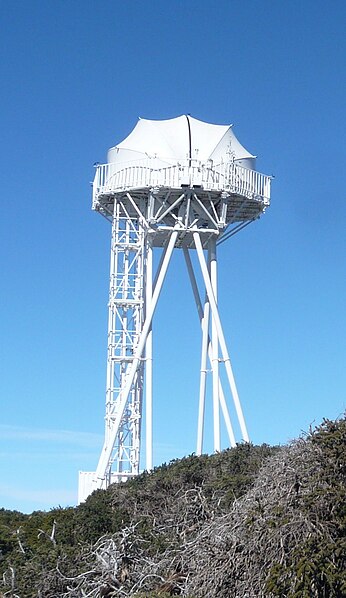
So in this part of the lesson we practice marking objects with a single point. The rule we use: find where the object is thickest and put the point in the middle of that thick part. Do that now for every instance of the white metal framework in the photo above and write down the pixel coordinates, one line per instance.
(186, 205)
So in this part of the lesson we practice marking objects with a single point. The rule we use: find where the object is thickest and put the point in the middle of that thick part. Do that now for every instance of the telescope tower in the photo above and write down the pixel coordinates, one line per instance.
(177, 184)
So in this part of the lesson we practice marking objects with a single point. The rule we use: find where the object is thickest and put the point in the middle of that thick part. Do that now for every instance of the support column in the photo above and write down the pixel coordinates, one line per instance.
(203, 377)
(212, 262)
(149, 364)
(223, 404)
(221, 336)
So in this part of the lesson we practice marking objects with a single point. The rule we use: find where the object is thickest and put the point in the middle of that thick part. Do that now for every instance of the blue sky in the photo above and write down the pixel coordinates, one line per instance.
(75, 77)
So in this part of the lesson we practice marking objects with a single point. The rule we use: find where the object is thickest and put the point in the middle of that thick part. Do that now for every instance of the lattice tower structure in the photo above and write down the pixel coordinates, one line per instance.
(192, 202)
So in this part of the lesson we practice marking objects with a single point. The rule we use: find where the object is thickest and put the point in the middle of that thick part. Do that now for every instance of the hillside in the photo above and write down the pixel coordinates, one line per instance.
(254, 521)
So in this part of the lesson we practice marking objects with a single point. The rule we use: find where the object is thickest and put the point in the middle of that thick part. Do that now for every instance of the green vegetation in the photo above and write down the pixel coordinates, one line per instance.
(253, 521)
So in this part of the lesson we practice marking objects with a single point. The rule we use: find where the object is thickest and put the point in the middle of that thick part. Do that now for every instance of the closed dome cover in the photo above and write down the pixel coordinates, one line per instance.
(178, 139)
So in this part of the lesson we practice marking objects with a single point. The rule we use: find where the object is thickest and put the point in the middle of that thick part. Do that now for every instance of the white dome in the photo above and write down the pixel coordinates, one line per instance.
(177, 139)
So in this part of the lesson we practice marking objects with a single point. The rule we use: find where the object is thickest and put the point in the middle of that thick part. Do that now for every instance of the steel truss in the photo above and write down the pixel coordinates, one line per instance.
(126, 313)
(143, 219)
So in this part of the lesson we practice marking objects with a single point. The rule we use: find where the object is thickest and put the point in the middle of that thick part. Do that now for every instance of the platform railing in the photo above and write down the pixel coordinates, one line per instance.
(228, 176)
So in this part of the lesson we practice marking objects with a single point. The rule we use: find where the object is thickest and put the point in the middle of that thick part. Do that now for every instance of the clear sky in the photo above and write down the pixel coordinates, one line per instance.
(75, 76)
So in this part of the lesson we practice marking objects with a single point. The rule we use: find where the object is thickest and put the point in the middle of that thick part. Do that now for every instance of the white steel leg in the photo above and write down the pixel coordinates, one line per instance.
(215, 346)
(223, 403)
(222, 341)
(203, 378)
(149, 365)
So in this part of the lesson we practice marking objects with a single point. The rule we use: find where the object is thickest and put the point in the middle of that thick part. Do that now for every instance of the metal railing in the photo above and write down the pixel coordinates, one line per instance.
(227, 176)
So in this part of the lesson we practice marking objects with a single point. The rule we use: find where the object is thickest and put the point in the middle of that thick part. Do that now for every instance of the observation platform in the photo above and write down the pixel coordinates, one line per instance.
(189, 194)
